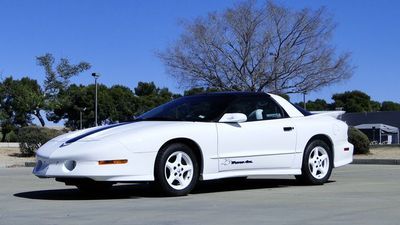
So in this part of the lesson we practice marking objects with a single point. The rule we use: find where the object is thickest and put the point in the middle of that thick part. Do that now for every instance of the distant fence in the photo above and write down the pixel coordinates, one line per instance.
(9, 145)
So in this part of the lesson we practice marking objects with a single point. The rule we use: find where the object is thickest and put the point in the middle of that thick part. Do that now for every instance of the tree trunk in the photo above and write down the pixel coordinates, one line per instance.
(3, 139)
(39, 116)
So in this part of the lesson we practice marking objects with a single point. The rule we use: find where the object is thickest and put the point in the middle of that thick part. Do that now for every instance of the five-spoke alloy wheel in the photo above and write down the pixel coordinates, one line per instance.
(179, 170)
(317, 163)
(176, 170)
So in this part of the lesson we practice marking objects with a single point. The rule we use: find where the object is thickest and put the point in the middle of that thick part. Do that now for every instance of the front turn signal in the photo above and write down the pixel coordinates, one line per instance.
(111, 162)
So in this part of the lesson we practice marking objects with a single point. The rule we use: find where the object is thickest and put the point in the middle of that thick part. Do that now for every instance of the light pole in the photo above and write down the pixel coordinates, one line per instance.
(80, 117)
(304, 100)
(96, 76)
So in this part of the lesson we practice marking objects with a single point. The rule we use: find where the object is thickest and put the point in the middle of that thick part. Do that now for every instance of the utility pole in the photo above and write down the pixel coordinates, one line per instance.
(96, 76)
(80, 117)
(304, 100)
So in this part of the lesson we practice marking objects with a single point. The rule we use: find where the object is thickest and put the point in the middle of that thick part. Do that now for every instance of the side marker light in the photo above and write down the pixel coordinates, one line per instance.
(111, 162)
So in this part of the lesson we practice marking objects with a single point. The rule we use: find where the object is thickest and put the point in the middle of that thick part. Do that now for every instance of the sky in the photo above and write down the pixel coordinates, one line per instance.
(120, 39)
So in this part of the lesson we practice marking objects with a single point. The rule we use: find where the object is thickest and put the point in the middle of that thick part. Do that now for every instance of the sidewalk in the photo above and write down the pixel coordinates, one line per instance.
(9, 158)
(382, 155)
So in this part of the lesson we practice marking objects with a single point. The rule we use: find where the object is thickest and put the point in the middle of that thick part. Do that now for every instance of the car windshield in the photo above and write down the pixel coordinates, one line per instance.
(204, 108)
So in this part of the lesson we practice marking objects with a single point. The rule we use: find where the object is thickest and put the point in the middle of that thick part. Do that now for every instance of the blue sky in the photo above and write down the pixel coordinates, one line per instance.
(120, 38)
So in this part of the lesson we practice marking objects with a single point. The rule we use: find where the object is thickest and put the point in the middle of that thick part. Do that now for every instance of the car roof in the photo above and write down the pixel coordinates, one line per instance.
(233, 93)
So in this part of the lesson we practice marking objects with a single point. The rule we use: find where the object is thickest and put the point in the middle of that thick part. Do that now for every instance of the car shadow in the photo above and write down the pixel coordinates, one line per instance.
(143, 190)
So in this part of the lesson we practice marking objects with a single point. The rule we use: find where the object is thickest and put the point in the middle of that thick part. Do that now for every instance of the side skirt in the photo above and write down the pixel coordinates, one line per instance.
(241, 173)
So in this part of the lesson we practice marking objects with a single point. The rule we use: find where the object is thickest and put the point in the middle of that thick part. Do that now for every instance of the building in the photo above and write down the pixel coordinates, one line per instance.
(380, 119)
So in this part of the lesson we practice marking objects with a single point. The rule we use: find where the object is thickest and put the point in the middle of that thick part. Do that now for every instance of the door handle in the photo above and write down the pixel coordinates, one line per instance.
(288, 128)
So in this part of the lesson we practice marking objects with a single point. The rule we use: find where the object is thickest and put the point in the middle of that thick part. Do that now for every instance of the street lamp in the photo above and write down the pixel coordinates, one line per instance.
(96, 76)
(304, 100)
(80, 117)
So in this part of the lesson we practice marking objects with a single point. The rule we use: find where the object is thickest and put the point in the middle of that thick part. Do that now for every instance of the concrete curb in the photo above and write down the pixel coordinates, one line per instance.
(9, 145)
(30, 164)
(377, 161)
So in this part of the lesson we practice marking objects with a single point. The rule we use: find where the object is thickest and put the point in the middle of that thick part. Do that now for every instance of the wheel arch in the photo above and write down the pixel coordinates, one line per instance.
(192, 144)
(325, 138)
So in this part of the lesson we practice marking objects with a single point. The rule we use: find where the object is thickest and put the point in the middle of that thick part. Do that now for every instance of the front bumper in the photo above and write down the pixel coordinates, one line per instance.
(81, 160)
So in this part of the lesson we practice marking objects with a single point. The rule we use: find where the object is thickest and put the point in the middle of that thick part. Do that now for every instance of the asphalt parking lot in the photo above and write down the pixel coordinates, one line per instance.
(356, 194)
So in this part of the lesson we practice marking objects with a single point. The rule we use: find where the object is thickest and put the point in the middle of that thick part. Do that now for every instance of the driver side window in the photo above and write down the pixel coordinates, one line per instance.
(256, 108)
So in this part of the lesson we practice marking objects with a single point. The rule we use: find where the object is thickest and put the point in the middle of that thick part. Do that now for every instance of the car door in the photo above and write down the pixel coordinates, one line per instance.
(265, 141)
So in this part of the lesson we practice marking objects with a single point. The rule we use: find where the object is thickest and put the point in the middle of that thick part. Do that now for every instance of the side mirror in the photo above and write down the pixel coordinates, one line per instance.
(233, 118)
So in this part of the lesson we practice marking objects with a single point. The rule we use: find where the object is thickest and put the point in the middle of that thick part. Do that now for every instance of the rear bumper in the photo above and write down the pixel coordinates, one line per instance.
(343, 154)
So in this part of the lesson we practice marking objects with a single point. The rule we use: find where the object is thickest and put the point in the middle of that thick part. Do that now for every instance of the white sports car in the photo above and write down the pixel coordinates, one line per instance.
(201, 137)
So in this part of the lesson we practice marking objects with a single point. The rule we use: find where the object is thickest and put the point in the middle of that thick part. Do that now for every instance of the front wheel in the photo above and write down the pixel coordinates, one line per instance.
(317, 163)
(176, 170)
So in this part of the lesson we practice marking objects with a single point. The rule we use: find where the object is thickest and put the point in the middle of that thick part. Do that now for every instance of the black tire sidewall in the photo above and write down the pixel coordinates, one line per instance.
(306, 173)
(159, 169)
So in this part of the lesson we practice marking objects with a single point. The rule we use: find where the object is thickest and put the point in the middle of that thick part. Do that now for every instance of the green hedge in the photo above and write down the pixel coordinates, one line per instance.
(359, 140)
(10, 137)
(32, 137)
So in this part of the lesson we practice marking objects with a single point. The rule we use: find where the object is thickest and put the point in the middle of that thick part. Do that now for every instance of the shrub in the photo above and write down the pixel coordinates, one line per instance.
(12, 137)
(359, 140)
(32, 137)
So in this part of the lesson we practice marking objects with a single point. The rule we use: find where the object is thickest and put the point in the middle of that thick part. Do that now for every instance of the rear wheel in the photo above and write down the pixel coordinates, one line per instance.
(176, 170)
(317, 163)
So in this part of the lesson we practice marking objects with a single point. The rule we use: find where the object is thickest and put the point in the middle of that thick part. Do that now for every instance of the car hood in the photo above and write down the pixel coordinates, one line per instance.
(85, 142)
(110, 131)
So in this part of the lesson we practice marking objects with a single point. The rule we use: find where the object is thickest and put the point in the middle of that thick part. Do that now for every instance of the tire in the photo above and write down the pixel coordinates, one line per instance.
(317, 163)
(94, 187)
(176, 170)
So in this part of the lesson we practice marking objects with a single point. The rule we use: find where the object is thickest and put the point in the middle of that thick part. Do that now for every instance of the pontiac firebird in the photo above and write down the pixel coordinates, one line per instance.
(201, 137)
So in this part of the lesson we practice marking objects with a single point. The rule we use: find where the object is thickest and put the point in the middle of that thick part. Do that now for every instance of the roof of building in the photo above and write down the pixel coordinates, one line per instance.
(388, 118)
(380, 126)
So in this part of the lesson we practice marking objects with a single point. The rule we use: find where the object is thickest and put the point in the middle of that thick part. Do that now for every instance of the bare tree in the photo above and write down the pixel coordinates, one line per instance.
(250, 48)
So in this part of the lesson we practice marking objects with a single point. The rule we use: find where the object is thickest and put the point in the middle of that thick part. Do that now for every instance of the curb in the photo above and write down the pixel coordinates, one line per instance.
(377, 161)
(30, 164)
(9, 145)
